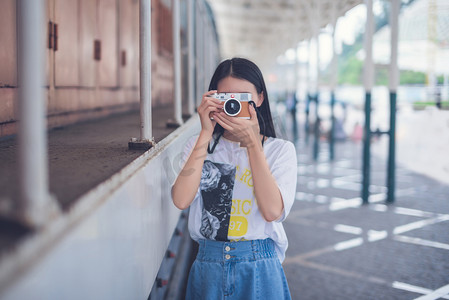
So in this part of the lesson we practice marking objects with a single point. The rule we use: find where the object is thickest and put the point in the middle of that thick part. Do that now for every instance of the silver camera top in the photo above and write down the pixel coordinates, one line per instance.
(232, 102)
(237, 96)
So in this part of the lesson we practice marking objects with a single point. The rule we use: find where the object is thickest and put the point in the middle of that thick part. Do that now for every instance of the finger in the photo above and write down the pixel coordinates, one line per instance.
(252, 113)
(208, 94)
(219, 117)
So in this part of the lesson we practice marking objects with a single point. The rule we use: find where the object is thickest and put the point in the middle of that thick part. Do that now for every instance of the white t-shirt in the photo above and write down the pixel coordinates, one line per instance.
(225, 207)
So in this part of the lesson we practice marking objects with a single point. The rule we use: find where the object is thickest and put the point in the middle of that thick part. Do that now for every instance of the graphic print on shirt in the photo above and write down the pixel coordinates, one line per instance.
(216, 186)
(241, 205)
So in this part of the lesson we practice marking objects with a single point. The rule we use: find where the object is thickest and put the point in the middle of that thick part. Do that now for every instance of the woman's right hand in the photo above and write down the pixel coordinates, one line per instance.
(208, 106)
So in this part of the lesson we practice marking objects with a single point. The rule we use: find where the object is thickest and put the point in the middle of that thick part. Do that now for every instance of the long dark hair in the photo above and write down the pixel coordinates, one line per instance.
(242, 68)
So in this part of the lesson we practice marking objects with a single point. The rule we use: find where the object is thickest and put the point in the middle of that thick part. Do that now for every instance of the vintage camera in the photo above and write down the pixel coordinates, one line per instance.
(235, 104)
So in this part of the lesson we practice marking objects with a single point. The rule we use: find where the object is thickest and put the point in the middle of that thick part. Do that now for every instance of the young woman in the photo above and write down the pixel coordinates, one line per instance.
(239, 181)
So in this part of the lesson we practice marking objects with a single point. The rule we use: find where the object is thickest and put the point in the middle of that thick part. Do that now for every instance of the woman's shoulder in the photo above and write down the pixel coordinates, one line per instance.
(281, 144)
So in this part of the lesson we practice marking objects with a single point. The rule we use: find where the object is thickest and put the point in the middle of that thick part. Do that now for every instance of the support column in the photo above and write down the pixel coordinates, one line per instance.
(309, 92)
(334, 78)
(393, 84)
(368, 81)
(177, 118)
(316, 142)
(35, 206)
(205, 52)
(199, 50)
(191, 57)
(146, 140)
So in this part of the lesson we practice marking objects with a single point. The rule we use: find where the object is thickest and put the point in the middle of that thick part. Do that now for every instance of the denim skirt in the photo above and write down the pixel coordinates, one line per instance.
(237, 270)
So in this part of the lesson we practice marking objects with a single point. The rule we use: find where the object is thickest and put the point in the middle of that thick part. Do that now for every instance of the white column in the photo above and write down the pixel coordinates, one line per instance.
(205, 52)
(35, 204)
(368, 70)
(191, 57)
(177, 63)
(146, 140)
(317, 61)
(146, 133)
(199, 51)
(334, 62)
(394, 25)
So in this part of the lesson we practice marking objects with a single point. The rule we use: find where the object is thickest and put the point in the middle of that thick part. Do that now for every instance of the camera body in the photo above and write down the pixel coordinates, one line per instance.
(235, 104)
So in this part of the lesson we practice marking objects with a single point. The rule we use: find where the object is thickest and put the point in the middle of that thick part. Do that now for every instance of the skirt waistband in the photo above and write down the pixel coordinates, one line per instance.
(210, 250)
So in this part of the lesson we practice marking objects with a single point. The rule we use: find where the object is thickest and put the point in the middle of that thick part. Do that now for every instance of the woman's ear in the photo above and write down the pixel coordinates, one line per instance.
(261, 98)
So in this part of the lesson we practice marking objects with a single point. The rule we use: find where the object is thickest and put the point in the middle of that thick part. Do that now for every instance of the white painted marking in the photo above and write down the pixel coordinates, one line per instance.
(336, 199)
(419, 224)
(355, 202)
(348, 229)
(379, 207)
(441, 292)
(322, 183)
(377, 197)
(321, 199)
(343, 163)
(374, 235)
(300, 196)
(410, 288)
(422, 242)
(323, 168)
(413, 212)
(348, 244)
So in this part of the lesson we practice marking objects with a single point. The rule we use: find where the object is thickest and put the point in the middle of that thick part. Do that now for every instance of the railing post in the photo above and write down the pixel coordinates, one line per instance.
(191, 57)
(334, 78)
(366, 149)
(332, 131)
(394, 81)
(368, 84)
(146, 140)
(316, 144)
(35, 203)
(177, 118)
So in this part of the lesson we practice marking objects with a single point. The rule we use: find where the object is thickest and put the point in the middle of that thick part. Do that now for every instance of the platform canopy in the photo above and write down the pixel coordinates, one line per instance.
(264, 29)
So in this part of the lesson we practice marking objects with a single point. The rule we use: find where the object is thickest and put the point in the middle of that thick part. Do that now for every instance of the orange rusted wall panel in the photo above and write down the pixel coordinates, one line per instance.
(108, 35)
(8, 48)
(66, 56)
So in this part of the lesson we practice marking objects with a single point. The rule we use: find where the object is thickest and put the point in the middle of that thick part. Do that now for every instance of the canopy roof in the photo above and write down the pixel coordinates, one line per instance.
(264, 29)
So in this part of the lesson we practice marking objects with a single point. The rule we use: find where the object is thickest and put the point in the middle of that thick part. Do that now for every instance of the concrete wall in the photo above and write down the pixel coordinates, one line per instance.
(111, 244)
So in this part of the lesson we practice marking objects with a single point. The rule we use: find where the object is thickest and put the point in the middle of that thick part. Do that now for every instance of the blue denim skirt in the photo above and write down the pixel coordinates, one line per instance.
(237, 270)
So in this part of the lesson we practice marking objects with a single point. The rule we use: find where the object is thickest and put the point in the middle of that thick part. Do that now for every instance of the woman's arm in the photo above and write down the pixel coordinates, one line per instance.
(268, 195)
(186, 185)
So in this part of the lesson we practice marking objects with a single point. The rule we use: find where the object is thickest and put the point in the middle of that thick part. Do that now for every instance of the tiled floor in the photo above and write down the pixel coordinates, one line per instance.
(341, 249)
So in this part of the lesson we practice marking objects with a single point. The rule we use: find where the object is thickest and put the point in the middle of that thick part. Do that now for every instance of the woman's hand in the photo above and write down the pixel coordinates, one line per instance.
(208, 106)
(246, 131)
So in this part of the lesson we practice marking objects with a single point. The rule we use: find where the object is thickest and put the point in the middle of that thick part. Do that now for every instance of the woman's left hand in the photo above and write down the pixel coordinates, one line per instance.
(246, 131)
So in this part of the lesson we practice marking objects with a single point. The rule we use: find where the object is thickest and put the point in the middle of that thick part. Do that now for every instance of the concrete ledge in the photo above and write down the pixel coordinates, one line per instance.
(110, 243)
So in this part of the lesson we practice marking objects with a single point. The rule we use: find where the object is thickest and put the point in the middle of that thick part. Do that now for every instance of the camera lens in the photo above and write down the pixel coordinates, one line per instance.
(232, 107)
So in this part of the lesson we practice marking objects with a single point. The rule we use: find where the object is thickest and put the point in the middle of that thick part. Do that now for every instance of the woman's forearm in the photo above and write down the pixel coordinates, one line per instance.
(187, 183)
(268, 196)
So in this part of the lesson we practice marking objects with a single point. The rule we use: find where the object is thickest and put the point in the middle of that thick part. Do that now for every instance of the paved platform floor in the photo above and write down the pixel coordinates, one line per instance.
(341, 249)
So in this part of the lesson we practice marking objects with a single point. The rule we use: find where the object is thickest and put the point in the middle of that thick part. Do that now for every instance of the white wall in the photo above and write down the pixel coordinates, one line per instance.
(110, 246)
